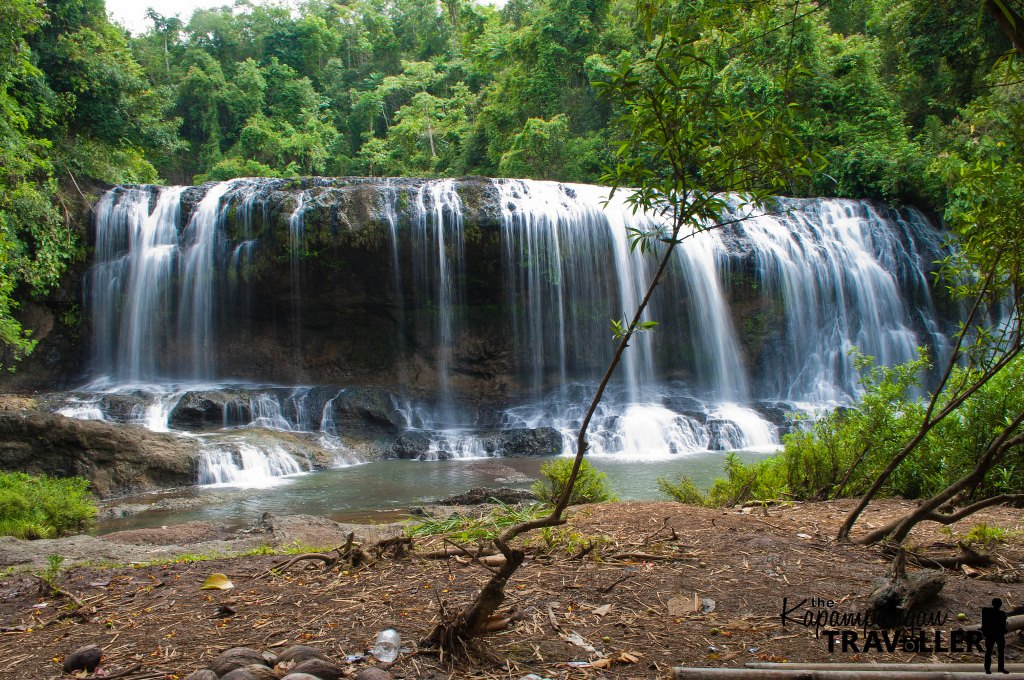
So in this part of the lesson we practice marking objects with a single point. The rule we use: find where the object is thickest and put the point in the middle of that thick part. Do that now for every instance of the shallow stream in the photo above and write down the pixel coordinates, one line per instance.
(387, 490)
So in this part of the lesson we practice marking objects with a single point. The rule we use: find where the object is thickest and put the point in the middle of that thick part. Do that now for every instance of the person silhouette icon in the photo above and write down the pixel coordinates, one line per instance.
(993, 627)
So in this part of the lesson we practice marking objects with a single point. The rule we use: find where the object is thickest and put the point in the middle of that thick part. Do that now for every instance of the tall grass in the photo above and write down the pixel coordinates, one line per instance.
(44, 507)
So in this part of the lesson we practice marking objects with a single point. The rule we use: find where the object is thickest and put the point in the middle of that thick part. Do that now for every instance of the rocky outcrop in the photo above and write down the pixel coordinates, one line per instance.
(201, 411)
(416, 445)
(541, 441)
(116, 459)
(167, 542)
(481, 495)
(360, 408)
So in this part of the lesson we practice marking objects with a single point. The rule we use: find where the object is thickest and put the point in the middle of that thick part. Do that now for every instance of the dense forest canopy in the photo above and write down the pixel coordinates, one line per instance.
(896, 97)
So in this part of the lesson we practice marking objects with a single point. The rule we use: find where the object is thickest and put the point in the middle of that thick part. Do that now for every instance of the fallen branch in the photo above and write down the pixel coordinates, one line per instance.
(281, 567)
(57, 591)
(399, 546)
(608, 588)
(648, 557)
(452, 552)
(1013, 623)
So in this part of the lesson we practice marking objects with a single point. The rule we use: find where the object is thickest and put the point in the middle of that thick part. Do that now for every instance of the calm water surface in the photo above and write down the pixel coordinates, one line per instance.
(386, 490)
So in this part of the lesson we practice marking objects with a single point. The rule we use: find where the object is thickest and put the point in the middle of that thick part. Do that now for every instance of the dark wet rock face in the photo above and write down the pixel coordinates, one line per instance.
(117, 459)
(541, 441)
(200, 411)
(362, 408)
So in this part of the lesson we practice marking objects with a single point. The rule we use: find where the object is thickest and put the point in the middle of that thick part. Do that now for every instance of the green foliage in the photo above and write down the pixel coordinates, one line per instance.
(570, 541)
(682, 490)
(54, 565)
(591, 485)
(985, 534)
(467, 529)
(845, 450)
(44, 507)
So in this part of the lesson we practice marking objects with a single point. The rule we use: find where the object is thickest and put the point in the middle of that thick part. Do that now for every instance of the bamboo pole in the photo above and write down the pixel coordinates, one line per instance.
(887, 667)
(818, 674)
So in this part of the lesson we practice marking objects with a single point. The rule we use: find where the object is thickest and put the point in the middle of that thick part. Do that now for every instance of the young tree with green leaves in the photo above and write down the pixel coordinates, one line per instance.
(688, 156)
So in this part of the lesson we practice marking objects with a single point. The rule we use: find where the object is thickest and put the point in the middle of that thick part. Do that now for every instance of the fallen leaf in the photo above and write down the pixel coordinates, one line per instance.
(217, 582)
(680, 605)
(603, 609)
(803, 536)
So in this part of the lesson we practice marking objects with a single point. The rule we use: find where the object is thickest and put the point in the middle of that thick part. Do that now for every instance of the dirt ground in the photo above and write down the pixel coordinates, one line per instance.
(667, 585)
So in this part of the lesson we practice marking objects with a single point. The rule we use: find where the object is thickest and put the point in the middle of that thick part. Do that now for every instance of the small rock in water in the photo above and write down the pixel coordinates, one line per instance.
(83, 659)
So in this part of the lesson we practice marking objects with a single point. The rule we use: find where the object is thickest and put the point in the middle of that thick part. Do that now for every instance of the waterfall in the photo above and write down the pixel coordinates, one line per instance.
(438, 287)
(438, 270)
(837, 266)
(135, 251)
(141, 250)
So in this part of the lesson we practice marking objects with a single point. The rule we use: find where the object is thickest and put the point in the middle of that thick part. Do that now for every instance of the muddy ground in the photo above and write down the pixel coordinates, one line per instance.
(664, 585)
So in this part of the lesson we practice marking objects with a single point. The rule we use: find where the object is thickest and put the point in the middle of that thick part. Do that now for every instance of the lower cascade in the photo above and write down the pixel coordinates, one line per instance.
(298, 324)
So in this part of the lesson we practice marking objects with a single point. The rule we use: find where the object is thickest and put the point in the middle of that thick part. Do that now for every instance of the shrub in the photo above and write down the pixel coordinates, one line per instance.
(682, 490)
(591, 486)
(486, 526)
(44, 507)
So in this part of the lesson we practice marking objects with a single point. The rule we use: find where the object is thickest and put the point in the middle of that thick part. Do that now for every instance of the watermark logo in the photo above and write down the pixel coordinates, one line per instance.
(917, 631)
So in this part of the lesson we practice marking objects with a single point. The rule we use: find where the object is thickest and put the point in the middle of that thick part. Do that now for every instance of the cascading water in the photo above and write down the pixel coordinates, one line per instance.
(509, 284)
(845, 278)
(437, 243)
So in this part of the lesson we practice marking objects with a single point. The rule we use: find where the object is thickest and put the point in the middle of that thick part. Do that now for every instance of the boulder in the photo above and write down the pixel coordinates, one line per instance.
(541, 441)
(200, 410)
(117, 459)
(412, 445)
(363, 409)
(480, 495)
(723, 435)
(123, 408)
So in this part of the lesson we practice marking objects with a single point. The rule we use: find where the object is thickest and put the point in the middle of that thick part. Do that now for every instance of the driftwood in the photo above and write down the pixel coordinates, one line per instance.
(1013, 623)
(397, 546)
(452, 551)
(970, 557)
(351, 553)
(900, 590)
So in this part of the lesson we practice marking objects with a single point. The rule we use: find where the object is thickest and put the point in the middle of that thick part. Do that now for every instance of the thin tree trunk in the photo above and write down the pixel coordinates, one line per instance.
(430, 131)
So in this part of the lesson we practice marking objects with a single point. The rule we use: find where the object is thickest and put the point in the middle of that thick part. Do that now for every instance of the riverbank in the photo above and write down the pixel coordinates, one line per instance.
(631, 599)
